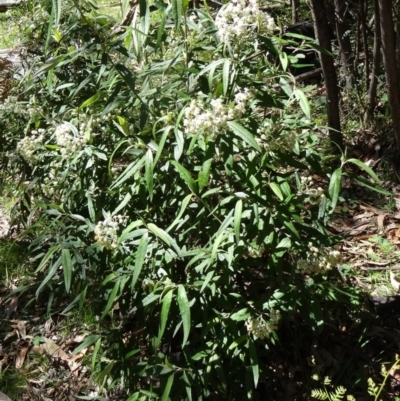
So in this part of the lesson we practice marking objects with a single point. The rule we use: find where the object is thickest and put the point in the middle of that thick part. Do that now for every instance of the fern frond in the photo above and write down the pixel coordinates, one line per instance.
(319, 394)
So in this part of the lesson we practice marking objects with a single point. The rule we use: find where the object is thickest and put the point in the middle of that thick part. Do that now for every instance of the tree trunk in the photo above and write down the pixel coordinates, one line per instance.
(376, 60)
(342, 31)
(398, 36)
(389, 60)
(363, 20)
(295, 11)
(327, 63)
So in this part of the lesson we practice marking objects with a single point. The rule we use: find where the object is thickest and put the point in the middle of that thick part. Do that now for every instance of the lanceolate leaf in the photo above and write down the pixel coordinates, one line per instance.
(186, 176)
(204, 174)
(277, 190)
(67, 268)
(163, 235)
(225, 76)
(184, 308)
(111, 298)
(364, 167)
(166, 304)
(238, 218)
(149, 172)
(304, 104)
(334, 187)
(167, 388)
(244, 134)
(185, 202)
(57, 11)
(140, 259)
(254, 362)
(177, 12)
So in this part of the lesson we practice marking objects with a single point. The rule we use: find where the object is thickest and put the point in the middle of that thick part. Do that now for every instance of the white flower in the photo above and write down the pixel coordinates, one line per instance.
(240, 20)
(262, 329)
(67, 141)
(319, 260)
(213, 120)
(106, 231)
(28, 146)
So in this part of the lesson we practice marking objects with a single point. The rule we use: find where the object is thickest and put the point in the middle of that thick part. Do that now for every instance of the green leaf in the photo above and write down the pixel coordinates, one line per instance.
(304, 104)
(111, 299)
(87, 342)
(127, 76)
(67, 268)
(129, 171)
(184, 308)
(242, 133)
(254, 362)
(277, 190)
(375, 188)
(91, 100)
(149, 172)
(225, 76)
(164, 236)
(215, 246)
(48, 255)
(180, 144)
(52, 270)
(204, 174)
(57, 12)
(167, 388)
(124, 202)
(177, 12)
(334, 187)
(166, 304)
(237, 219)
(184, 204)
(95, 352)
(209, 276)
(364, 167)
(139, 260)
(185, 175)
(161, 28)
(284, 60)
(241, 339)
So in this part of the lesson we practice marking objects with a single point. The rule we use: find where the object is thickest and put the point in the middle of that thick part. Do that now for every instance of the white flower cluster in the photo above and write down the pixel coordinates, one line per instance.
(307, 188)
(318, 260)
(256, 252)
(262, 329)
(284, 142)
(27, 146)
(67, 141)
(106, 231)
(239, 21)
(214, 120)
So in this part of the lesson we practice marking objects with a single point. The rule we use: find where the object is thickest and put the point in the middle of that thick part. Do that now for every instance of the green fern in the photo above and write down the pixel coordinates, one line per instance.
(319, 394)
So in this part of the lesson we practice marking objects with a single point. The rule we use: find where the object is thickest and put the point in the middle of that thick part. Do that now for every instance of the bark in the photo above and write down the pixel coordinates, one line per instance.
(389, 60)
(398, 36)
(363, 21)
(376, 60)
(295, 11)
(342, 31)
(322, 31)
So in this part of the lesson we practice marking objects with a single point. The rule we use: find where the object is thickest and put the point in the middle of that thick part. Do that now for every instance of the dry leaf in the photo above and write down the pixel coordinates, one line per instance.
(359, 230)
(22, 355)
(12, 307)
(53, 350)
(381, 221)
(79, 338)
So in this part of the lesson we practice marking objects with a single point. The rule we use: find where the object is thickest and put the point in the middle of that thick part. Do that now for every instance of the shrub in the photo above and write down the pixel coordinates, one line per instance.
(172, 180)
